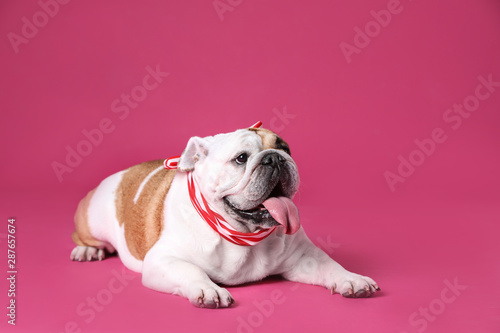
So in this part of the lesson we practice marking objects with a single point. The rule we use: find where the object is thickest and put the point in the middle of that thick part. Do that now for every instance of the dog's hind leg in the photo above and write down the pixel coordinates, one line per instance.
(87, 253)
(88, 247)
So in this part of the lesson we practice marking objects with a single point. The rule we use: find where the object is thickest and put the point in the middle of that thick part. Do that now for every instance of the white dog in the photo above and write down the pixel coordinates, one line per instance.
(224, 216)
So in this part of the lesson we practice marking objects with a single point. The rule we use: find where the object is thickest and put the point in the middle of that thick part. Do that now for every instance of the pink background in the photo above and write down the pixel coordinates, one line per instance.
(347, 119)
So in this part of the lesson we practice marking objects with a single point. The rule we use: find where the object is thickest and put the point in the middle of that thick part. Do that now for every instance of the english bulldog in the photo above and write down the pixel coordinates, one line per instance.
(222, 214)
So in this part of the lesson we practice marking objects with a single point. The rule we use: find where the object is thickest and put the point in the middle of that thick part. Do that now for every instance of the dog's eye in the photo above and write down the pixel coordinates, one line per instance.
(242, 158)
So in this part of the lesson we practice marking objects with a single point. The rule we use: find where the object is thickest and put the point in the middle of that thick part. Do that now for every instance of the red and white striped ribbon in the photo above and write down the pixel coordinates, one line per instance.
(171, 162)
(257, 125)
(217, 222)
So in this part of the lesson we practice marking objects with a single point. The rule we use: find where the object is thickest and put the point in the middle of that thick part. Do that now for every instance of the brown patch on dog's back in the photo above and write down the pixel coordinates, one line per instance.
(271, 140)
(143, 219)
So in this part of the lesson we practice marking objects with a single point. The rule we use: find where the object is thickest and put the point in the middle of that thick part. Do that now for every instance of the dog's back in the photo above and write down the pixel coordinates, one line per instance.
(125, 212)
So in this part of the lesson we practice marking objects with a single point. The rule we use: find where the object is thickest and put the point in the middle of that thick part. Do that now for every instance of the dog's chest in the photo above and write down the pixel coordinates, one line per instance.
(232, 264)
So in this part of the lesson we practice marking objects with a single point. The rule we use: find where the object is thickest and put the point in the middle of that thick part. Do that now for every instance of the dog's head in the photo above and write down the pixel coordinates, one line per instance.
(248, 176)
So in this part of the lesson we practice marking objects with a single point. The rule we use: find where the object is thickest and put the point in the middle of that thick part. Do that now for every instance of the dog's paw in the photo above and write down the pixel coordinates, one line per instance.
(209, 295)
(87, 253)
(353, 285)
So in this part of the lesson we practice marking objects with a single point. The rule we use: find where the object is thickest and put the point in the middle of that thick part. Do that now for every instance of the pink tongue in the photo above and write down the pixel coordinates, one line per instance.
(284, 211)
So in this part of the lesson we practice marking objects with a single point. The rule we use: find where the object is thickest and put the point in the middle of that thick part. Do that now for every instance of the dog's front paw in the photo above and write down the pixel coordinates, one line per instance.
(209, 295)
(353, 285)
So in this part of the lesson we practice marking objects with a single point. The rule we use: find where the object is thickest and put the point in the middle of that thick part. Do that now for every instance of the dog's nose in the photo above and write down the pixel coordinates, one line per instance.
(272, 159)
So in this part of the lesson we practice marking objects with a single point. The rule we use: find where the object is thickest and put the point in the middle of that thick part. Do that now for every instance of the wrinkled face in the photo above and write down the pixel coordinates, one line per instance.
(239, 173)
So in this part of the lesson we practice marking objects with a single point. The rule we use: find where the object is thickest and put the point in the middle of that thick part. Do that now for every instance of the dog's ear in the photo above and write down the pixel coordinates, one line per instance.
(196, 149)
